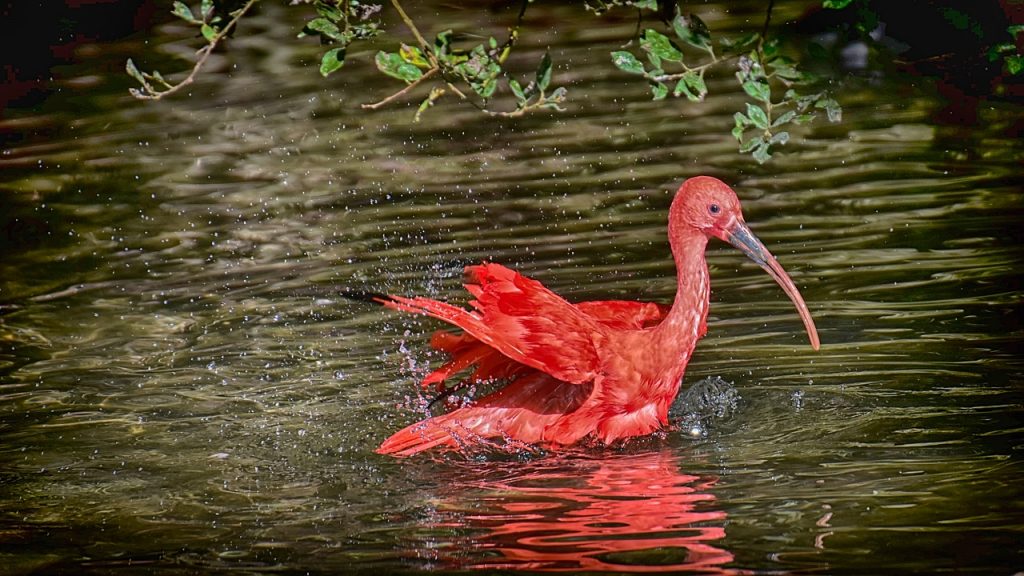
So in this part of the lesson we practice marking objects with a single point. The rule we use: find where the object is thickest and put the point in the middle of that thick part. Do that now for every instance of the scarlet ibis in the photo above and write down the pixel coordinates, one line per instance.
(600, 370)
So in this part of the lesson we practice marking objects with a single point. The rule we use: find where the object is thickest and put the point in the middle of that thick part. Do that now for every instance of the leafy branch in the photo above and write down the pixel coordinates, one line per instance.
(1008, 52)
(339, 23)
(755, 74)
(660, 49)
(759, 66)
(208, 23)
(673, 62)
(480, 68)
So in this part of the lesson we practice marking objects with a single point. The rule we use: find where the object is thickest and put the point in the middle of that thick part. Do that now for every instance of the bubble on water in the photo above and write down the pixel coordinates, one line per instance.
(798, 399)
(703, 402)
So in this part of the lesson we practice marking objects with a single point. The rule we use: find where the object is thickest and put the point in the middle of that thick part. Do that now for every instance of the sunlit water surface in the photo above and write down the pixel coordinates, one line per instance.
(182, 390)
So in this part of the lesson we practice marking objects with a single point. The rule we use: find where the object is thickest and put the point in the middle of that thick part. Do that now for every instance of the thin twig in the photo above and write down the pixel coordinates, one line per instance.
(760, 57)
(513, 34)
(455, 89)
(767, 21)
(403, 91)
(415, 31)
(699, 69)
(203, 52)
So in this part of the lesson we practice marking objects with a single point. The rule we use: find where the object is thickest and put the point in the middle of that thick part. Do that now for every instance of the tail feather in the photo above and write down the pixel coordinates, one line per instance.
(362, 296)
(416, 438)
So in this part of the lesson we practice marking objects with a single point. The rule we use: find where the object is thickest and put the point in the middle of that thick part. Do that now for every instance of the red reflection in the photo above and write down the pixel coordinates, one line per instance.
(623, 513)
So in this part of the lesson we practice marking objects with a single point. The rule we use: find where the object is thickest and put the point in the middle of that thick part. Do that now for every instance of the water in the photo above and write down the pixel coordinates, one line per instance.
(182, 390)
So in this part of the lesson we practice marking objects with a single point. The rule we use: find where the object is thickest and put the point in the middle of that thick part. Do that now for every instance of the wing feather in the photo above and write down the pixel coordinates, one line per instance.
(521, 319)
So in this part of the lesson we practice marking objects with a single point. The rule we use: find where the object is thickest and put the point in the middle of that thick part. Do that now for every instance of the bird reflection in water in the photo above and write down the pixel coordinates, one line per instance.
(613, 512)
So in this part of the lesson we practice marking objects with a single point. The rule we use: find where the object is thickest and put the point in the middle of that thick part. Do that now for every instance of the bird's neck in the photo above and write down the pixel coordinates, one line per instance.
(690, 309)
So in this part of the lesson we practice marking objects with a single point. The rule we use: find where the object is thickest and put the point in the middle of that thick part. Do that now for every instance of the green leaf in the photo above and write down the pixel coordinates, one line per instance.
(443, 43)
(659, 89)
(654, 59)
(779, 138)
(1015, 64)
(323, 27)
(803, 118)
(206, 9)
(480, 71)
(754, 142)
(646, 4)
(544, 72)
(659, 45)
(393, 65)
(692, 30)
(995, 51)
(159, 78)
(486, 89)
(741, 125)
(626, 62)
(757, 90)
(757, 116)
(740, 44)
(695, 82)
(331, 61)
(683, 88)
(786, 68)
(836, 4)
(329, 11)
(762, 153)
(517, 89)
(209, 32)
(181, 10)
(413, 55)
(132, 71)
(832, 109)
(784, 118)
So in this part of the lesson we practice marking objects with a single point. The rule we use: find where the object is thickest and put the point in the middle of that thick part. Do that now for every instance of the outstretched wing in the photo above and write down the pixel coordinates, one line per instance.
(464, 350)
(522, 319)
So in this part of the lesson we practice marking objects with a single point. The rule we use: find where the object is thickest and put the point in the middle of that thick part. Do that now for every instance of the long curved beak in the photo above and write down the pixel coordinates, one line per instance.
(740, 236)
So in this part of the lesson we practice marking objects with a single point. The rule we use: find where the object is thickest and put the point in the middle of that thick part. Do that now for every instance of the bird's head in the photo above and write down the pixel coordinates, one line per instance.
(710, 206)
(706, 204)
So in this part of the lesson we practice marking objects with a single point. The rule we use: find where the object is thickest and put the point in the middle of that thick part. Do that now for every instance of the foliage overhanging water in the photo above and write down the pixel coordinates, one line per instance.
(182, 390)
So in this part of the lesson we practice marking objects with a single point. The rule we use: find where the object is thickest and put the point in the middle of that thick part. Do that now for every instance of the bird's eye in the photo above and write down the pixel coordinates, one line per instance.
(714, 209)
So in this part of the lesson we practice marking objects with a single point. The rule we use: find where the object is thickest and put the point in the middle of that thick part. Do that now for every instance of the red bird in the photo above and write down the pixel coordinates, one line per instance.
(604, 370)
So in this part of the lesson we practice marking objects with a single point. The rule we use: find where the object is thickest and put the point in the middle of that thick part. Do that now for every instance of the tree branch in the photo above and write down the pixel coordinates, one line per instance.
(415, 31)
(409, 87)
(767, 21)
(149, 93)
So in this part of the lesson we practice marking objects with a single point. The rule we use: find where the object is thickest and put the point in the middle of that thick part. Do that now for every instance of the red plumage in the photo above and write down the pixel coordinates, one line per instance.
(604, 369)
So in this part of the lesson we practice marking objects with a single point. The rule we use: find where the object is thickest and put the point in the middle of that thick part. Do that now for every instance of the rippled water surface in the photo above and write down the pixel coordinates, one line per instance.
(183, 391)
